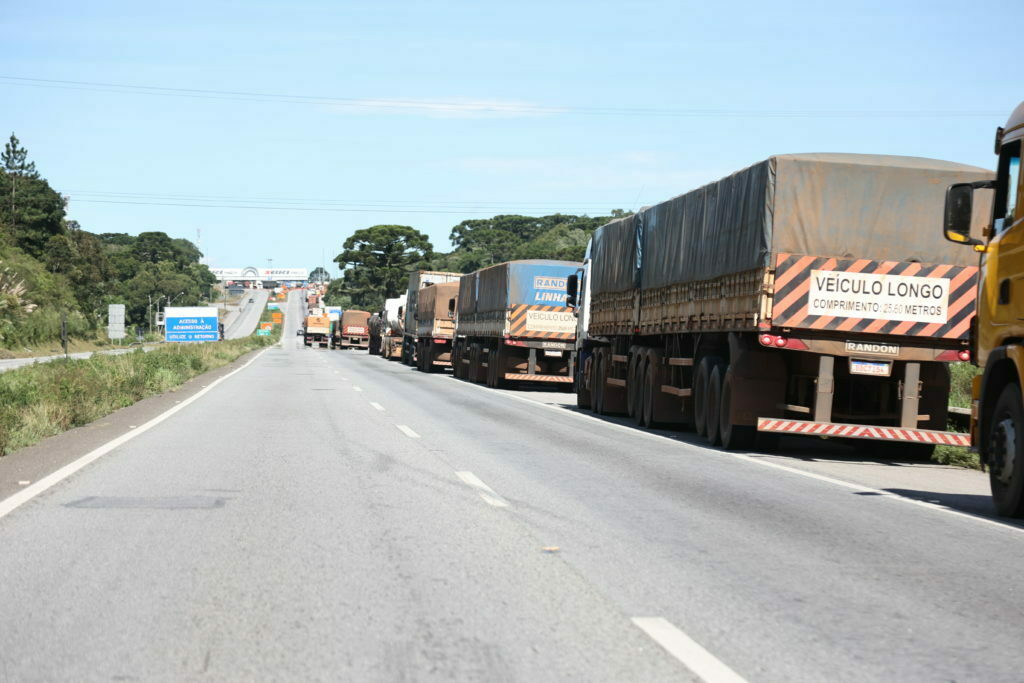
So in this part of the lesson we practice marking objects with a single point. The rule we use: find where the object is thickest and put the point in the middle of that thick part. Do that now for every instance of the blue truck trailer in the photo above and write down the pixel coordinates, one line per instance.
(513, 324)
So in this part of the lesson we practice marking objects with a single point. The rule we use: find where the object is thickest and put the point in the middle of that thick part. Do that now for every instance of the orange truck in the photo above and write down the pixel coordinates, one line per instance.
(353, 330)
(317, 330)
(435, 325)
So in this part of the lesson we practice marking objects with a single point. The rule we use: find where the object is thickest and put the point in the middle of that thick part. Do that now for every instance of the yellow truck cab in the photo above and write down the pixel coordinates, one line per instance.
(997, 339)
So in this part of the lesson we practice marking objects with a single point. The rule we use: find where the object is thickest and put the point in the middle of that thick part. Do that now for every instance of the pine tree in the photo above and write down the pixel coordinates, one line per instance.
(17, 167)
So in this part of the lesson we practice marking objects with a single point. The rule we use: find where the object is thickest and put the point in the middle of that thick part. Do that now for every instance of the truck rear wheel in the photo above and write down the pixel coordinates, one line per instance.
(700, 393)
(476, 370)
(597, 380)
(734, 437)
(1006, 453)
(584, 398)
(633, 378)
(636, 387)
(714, 405)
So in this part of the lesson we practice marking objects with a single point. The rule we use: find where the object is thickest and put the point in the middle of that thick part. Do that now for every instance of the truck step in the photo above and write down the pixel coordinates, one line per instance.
(675, 391)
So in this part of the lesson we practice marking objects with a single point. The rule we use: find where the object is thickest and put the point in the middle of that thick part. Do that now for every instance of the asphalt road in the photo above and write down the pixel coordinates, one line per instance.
(326, 515)
(244, 321)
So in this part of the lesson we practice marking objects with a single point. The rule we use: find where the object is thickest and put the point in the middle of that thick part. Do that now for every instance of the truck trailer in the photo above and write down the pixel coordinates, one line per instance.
(801, 295)
(353, 331)
(393, 327)
(417, 280)
(513, 324)
(997, 413)
(435, 325)
(317, 330)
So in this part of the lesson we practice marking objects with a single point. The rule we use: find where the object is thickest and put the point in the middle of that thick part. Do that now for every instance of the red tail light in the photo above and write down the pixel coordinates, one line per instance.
(514, 342)
(952, 356)
(780, 342)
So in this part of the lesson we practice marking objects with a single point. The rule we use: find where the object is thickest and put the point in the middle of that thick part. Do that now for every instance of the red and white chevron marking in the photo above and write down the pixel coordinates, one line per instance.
(765, 424)
(538, 378)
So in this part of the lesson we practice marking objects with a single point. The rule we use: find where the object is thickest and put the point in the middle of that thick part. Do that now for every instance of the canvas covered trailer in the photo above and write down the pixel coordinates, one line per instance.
(814, 281)
(513, 324)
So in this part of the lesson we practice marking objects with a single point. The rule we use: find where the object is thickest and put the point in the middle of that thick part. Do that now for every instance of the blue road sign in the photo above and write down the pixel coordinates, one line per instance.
(191, 324)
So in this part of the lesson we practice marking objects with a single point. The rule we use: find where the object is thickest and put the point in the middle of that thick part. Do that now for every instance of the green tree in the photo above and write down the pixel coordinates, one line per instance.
(376, 262)
(32, 211)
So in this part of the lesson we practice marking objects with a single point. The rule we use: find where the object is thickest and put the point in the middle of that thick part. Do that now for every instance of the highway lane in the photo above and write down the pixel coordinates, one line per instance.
(244, 322)
(354, 519)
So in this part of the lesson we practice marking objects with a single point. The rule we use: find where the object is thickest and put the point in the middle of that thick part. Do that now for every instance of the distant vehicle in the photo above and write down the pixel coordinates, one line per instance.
(416, 281)
(393, 317)
(513, 324)
(299, 332)
(317, 331)
(435, 325)
(252, 301)
(352, 331)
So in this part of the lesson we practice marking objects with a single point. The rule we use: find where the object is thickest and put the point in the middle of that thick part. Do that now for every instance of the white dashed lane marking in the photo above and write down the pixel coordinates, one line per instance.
(408, 432)
(485, 491)
(705, 665)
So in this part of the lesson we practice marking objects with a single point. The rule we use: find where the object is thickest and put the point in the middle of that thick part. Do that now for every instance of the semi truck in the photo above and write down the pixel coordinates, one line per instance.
(417, 280)
(317, 330)
(353, 332)
(997, 406)
(393, 328)
(513, 324)
(801, 295)
(435, 325)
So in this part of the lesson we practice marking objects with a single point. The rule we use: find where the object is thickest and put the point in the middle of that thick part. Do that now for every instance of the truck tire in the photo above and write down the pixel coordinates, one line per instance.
(476, 372)
(636, 354)
(714, 404)
(645, 400)
(1006, 453)
(734, 437)
(597, 378)
(700, 394)
(499, 359)
(636, 386)
(584, 399)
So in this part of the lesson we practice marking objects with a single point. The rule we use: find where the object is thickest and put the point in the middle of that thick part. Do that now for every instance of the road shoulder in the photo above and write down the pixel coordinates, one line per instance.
(34, 462)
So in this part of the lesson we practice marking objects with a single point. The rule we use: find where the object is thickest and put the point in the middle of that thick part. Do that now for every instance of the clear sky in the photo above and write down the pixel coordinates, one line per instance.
(428, 113)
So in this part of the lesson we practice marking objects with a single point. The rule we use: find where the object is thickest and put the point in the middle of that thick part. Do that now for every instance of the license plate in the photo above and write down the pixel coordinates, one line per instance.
(875, 368)
(555, 354)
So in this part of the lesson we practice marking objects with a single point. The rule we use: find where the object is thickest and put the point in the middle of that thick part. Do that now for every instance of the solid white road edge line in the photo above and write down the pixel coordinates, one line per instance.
(754, 460)
(408, 432)
(705, 665)
(377, 406)
(12, 502)
(355, 388)
(485, 491)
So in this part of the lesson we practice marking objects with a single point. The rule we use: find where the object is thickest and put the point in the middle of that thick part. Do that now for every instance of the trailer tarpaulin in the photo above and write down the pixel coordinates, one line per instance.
(614, 256)
(835, 205)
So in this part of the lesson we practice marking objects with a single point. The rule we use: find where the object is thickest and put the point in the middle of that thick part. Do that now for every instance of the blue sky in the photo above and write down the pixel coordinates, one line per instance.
(428, 113)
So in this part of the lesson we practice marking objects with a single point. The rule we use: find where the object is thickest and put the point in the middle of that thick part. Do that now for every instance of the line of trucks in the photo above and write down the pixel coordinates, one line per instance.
(331, 327)
(808, 294)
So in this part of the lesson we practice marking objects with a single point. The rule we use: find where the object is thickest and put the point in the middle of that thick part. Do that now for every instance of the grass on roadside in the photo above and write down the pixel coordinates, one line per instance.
(38, 401)
(960, 377)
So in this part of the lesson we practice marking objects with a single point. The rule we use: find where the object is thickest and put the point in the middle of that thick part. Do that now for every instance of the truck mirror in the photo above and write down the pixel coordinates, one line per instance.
(956, 223)
(571, 289)
(956, 226)
(451, 308)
